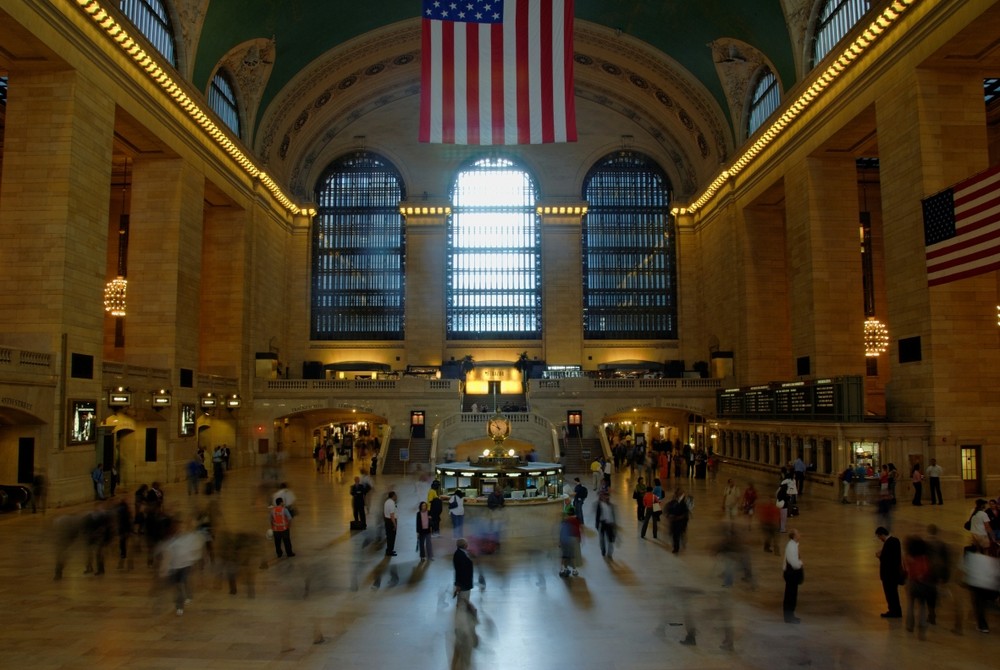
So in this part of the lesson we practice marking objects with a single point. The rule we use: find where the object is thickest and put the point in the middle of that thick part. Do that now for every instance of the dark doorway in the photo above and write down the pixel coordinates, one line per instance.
(25, 459)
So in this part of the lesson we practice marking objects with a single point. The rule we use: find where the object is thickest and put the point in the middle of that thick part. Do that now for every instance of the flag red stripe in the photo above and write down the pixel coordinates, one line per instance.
(972, 272)
(448, 81)
(523, 75)
(496, 77)
(472, 85)
(547, 74)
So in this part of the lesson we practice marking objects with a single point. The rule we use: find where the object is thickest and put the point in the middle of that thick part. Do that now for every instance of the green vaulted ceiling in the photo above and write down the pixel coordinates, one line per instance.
(305, 29)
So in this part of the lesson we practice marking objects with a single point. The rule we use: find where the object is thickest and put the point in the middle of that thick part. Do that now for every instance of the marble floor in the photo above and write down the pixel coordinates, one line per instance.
(322, 609)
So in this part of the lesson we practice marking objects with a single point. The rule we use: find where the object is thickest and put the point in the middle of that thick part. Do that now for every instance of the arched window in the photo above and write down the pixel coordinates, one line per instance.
(835, 19)
(765, 99)
(223, 101)
(629, 251)
(358, 251)
(494, 257)
(153, 21)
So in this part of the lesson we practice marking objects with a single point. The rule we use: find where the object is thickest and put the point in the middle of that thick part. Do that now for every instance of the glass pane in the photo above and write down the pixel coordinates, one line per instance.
(629, 253)
(494, 261)
(358, 244)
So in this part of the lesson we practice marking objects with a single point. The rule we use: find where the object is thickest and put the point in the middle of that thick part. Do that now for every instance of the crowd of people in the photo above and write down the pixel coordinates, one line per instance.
(920, 574)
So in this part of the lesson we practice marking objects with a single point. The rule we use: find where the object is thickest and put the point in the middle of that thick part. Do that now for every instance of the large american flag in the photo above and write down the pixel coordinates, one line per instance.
(497, 72)
(962, 229)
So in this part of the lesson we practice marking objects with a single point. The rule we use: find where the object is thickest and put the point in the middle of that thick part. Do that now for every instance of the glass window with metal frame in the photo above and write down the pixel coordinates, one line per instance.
(836, 18)
(765, 99)
(629, 251)
(494, 254)
(358, 251)
(153, 21)
(222, 99)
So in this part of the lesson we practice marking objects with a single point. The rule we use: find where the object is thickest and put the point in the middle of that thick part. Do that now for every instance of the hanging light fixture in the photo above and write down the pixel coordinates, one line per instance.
(876, 332)
(116, 289)
(114, 296)
(876, 337)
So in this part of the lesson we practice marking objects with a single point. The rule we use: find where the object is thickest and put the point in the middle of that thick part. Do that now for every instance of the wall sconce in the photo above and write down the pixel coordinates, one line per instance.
(209, 401)
(161, 399)
(234, 402)
(120, 397)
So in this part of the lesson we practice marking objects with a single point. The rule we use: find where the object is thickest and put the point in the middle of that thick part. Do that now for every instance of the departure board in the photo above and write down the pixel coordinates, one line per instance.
(832, 399)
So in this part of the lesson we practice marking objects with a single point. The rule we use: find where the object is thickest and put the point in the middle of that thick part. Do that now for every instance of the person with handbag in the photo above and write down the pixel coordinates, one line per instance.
(794, 575)
(890, 571)
(651, 511)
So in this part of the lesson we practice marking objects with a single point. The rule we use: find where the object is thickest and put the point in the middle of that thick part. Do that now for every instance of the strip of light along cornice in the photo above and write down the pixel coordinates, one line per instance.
(119, 35)
(861, 43)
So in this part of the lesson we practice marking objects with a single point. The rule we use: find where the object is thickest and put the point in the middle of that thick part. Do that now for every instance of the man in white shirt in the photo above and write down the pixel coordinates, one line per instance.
(793, 575)
(934, 472)
(389, 514)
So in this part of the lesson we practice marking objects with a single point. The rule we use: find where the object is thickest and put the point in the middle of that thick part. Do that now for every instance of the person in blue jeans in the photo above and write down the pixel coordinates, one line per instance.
(456, 509)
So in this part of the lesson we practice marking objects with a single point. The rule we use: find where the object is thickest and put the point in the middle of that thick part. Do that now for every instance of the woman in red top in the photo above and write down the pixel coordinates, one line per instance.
(651, 507)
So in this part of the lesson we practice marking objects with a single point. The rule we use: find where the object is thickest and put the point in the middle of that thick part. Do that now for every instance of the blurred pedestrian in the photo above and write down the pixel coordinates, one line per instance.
(920, 588)
(678, 515)
(462, 562)
(606, 525)
(570, 536)
(424, 528)
(982, 576)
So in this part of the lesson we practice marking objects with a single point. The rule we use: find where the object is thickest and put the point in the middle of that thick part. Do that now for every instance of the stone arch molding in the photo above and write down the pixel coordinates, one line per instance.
(250, 65)
(317, 109)
(738, 64)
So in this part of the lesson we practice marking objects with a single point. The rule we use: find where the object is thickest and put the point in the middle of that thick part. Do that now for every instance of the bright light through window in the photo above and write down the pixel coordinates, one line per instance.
(494, 262)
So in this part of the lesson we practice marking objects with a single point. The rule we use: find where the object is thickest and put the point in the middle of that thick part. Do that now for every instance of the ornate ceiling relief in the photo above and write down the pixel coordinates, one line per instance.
(737, 63)
(328, 78)
(188, 21)
(798, 17)
(671, 79)
(250, 65)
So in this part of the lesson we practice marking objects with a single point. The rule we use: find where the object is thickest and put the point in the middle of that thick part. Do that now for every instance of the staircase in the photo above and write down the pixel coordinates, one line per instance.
(573, 450)
(420, 452)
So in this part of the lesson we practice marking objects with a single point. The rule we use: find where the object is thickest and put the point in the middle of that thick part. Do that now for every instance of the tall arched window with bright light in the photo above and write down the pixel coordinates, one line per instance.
(765, 99)
(835, 19)
(153, 21)
(494, 254)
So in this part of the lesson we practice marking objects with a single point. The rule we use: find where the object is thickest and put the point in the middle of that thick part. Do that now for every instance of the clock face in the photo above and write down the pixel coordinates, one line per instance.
(498, 428)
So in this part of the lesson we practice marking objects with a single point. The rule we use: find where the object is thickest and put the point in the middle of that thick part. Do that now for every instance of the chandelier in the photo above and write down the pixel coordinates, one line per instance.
(114, 296)
(876, 337)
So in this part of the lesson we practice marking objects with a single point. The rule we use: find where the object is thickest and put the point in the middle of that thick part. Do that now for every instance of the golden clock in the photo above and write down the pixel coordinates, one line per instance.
(498, 427)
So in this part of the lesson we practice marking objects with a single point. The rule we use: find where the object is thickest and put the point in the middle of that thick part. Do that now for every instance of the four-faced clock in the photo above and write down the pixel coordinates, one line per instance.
(498, 427)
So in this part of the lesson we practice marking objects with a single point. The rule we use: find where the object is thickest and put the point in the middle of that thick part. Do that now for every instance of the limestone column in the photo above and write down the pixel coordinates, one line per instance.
(824, 257)
(426, 268)
(53, 238)
(931, 135)
(562, 289)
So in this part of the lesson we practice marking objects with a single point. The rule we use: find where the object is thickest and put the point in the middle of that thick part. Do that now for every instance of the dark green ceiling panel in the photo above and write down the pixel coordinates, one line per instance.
(305, 29)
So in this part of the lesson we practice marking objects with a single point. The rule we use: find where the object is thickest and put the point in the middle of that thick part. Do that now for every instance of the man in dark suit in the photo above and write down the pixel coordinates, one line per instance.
(463, 570)
(890, 571)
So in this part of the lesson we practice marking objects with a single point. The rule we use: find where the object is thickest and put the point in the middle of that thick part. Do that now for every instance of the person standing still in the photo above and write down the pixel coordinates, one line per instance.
(281, 527)
(389, 515)
(890, 571)
(463, 570)
(793, 576)
(934, 472)
(358, 493)
(918, 483)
